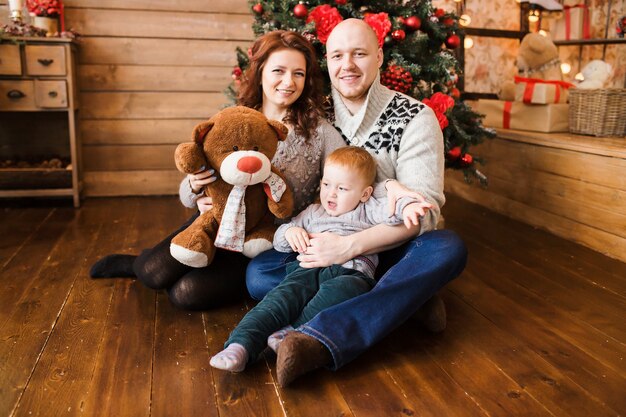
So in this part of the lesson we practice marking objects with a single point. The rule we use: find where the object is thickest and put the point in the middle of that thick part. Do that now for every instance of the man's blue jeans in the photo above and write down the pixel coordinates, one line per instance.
(411, 275)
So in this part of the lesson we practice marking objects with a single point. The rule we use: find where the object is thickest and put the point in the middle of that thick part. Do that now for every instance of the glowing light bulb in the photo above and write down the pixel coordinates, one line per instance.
(465, 20)
(566, 68)
(468, 42)
(532, 17)
(579, 76)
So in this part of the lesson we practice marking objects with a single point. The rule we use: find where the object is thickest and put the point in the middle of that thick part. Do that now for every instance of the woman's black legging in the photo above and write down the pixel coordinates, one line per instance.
(222, 282)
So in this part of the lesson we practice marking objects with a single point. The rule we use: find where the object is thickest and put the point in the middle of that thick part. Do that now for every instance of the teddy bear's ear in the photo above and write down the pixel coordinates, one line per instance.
(281, 129)
(200, 131)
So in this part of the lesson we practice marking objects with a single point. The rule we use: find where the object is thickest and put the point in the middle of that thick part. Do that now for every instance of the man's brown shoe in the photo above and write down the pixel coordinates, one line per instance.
(298, 354)
(432, 314)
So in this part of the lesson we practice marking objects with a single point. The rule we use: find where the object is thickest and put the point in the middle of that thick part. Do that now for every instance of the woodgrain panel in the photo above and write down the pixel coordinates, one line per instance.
(153, 78)
(604, 146)
(119, 183)
(606, 243)
(591, 204)
(151, 105)
(214, 6)
(138, 51)
(520, 157)
(129, 157)
(132, 132)
(158, 24)
(181, 349)
(75, 312)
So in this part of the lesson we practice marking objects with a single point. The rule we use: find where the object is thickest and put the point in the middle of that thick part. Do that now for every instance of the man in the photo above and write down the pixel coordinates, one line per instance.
(404, 137)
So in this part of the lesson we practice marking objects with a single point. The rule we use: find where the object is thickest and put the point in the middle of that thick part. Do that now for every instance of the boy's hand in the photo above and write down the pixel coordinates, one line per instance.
(298, 239)
(412, 213)
(395, 191)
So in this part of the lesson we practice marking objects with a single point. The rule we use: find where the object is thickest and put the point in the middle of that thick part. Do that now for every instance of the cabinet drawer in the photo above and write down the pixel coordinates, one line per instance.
(50, 93)
(45, 60)
(10, 63)
(17, 95)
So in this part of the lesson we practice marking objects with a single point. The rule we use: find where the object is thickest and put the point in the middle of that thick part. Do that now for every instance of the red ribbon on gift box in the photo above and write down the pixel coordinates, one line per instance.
(62, 16)
(530, 87)
(586, 20)
(506, 115)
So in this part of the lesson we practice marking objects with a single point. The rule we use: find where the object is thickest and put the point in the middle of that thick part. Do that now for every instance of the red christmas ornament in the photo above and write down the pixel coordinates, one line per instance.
(236, 73)
(341, 2)
(448, 21)
(466, 160)
(397, 78)
(257, 8)
(455, 92)
(413, 22)
(300, 11)
(454, 153)
(401, 20)
(439, 12)
(398, 35)
(453, 41)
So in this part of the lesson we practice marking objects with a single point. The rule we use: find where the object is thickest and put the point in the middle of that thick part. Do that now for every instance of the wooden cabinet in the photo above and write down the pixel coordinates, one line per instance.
(39, 147)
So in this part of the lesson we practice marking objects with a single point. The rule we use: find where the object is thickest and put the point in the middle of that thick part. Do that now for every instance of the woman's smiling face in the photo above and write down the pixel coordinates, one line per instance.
(283, 78)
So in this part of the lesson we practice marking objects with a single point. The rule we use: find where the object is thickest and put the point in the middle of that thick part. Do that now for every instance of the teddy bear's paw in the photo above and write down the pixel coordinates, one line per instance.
(188, 257)
(253, 247)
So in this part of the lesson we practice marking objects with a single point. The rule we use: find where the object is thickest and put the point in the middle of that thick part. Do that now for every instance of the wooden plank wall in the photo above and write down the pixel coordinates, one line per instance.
(149, 71)
(573, 186)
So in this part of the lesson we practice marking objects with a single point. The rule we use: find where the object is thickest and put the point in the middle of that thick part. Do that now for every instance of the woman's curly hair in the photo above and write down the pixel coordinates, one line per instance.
(305, 113)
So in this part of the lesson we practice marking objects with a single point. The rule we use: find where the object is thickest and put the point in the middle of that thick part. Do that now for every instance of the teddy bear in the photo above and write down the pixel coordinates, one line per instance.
(239, 143)
(538, 57)
(596, 74)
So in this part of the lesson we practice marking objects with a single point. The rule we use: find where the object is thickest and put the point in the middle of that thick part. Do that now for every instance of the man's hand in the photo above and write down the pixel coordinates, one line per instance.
(298, 239)
(204, 204)
(396, 191)
(327, 249)
(200, 179)
(411, 213)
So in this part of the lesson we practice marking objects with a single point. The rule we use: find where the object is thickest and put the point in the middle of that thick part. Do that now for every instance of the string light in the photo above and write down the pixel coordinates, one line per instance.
(465, 20)
(468, 42)
(533, 16)
(566, 68)
(579, 76)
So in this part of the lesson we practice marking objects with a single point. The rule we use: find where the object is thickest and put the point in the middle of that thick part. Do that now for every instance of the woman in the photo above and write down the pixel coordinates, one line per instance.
(283, 82)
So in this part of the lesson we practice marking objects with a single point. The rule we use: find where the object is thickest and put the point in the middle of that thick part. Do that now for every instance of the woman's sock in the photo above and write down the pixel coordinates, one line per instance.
(274, 340)
(113, 266)
(233, 358)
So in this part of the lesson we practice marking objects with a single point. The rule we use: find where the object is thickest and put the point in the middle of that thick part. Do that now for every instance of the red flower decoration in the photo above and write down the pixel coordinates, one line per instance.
(381, 25)
(440, 103)
(325, 18)
(46, 8)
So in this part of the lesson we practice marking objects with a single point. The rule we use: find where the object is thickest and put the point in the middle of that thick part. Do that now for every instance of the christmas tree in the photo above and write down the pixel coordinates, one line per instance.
(418, 42)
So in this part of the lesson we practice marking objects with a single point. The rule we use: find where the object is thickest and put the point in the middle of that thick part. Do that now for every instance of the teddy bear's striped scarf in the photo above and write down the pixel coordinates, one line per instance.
(232, 230)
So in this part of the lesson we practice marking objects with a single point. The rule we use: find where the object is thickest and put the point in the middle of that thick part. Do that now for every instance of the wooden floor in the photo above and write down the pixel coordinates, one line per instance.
(536, 328)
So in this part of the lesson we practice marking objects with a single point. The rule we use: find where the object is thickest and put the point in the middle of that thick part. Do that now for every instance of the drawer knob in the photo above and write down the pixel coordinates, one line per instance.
(15, 94)
(45, 62)
(52, 94)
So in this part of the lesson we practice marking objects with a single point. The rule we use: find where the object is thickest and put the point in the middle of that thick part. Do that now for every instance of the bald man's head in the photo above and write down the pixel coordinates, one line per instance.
(353, 58)
(354, 27)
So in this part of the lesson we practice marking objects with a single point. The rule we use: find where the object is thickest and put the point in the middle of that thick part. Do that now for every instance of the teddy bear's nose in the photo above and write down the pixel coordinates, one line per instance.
(249, 164)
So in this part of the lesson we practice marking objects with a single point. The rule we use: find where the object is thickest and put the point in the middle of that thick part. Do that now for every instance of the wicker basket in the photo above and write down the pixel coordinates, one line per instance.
(600, 112)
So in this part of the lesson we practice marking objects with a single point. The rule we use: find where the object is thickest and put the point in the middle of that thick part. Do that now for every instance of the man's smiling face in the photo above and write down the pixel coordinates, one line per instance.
(353, 59)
